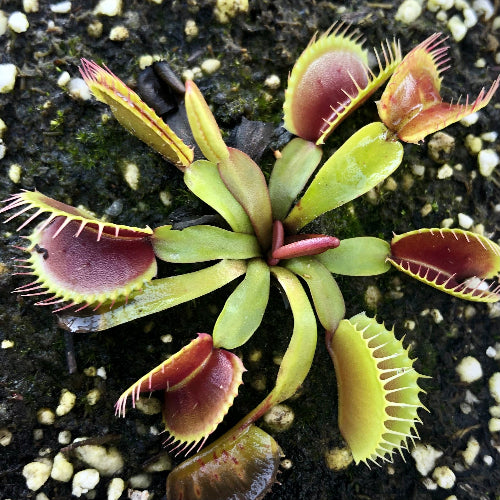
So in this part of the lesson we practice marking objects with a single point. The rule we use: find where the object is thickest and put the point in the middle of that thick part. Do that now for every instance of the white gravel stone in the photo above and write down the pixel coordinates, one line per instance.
(149, 406)
(488, 460)
(101, 372)
(470, 17)
(471, 452)
(131, 175)
(338, 458)
(145, 61)
(225, 10)
(445, 172)
(140, 481)
(469, 370)
(15, 172)
(78, 89)
(118, 34)
(37, 473)
(61, 8)
(465, 221)
(489, 136)
(3, 128)
(63, 79)
(425, 457)
(109, 8)
(444, 477)
(66, 402)
(473, 143)
(3, 23)
(64, 437)
(469, 120)
(84, 481)
(457, 27)
(210, 66)
(484, 8)
(279, 418)
(494, 386)
(30, 6)
(5, 436)
(8, 73)
(45, 416)
(491, 352)
(190, 29)
(62, 469)
(107, 461)
(272, 82)
(418, 170)
(18, 22)
(115, 488)
(494, 424)
(487, 160)
(408, 11)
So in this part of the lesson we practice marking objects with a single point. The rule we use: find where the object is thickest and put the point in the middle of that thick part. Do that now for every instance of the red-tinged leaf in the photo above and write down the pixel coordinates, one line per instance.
(452, 260)
(200, 384)
(411, 105)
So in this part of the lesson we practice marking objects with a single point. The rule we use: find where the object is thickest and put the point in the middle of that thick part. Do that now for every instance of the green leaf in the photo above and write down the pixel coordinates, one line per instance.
(156, 296)
(205, 130)
(364, 256)
(243, 311)
(325, 292)
(245, 180)
(362, 162)
(299, 355)
(203, 179)
(299, 159)
(202, 243)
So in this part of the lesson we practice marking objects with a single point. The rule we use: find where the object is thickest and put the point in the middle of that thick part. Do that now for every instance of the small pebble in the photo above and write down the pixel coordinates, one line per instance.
(494, 386)
(225, 10)
(435, 5)
(62, 470)
(279, 418)
(5, 436)
(488, 460)
(445, 172)
(101, 372)
(84, 481)
(470, 453)
(447, 223)
(272, 82)
(7, 344)
(115, 488)
(487, 160)
(440, 146)
(8, 73)
(118, 34)
(373, 296)
(94, 29)
(64, 437)
(190, 29)
(37, 473)
(108, 461)
(63, 79)
(473, 144)
(484, 8)
(418, 170)
(210, 66)
(444, 477)
(469, 120)
(166, 198)
(338, 458)
(93, 396)
(469, 370)
(494, 424)
(66, 403)
(78, 89)
(131, 175)
(489, 136)
(45, 416)
(109, 8)
(408, 11)
(18, 22)
(61, 8)
(491, 352)
(457, 27)
(149, 406)
(161, 463)
(30, 6)
(3, 23)
(465, 221)
(140, 481)
(145, 61)
(425, 457)
(470, 17)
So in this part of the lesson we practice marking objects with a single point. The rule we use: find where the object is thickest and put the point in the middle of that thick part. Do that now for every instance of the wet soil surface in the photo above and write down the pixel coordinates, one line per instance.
(66, 152)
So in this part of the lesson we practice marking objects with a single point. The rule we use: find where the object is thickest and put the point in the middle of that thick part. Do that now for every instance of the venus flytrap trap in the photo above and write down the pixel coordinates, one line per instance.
(102, 275)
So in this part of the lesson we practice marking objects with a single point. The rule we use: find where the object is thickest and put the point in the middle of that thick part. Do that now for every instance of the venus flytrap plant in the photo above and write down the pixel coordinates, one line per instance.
(107, 270)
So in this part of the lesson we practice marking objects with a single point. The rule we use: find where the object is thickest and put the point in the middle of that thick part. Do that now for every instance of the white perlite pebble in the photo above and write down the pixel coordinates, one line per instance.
(444, 477)
(61, 7)
(494, 386)
(109, 8)
(37, 473)
(78, 89)
(45, 416)
(494, 411)
(131, 175)
(494, 424)
(15, 172)
(425, 457)
(469, 370)
(487, 160)
(118, 34)
(210, 66)
(484, 8)
(107, 461)
(140, 481)
(18, 22)
(3, 23)
(435, 5)
(64, 437)
(470, 453)
(84, 481)
(63, 79)
(5, 436)
(224, 10)
(66, 403)
(470, 17)
(62, 470)
(465, 221)
(489, 136)
(469, 120)
(457, 28)
(30, 6)
(3, 128)
(445, 172)
(408, 11)
(115, 488)
(8, 73)
(272, 82)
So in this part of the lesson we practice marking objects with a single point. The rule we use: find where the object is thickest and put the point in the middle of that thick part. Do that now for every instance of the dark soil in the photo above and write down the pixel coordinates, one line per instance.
(67, 153)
